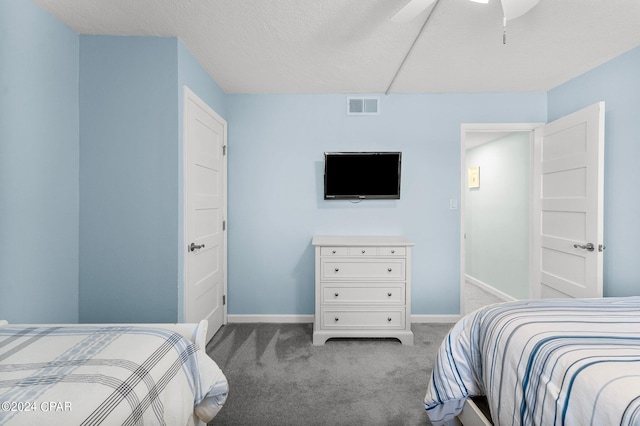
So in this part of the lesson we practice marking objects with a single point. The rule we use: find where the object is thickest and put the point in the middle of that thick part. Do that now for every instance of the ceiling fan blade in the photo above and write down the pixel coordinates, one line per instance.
(515, 8)
(410, 11)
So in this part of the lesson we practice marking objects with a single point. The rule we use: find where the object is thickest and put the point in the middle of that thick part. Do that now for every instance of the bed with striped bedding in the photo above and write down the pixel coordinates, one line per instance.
(547, 362)
(109, 375)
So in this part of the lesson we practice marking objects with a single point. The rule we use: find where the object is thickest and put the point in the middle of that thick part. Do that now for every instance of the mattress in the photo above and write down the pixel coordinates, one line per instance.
(115, 375)
(547, 362)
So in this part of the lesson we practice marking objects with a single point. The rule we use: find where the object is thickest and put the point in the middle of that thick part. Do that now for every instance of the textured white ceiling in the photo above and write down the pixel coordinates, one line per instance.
(351, 46)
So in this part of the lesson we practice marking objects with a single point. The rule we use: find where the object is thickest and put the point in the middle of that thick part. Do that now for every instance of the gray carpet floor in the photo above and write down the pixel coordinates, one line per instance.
(477, 297)
(277, 377)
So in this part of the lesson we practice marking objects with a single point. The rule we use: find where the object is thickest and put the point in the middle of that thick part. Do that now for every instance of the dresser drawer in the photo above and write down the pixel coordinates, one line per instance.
(363, 319)
(334, 251)
(363, 251)
(363, 293)
(392, 251)
(364, 268)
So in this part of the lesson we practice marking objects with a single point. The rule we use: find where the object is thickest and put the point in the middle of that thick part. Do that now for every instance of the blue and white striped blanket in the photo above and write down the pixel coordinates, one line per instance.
(552, 362)
(115, 375)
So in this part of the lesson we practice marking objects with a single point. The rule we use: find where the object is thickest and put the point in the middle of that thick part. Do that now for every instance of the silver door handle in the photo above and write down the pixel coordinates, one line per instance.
(195, 246)
(587, 247)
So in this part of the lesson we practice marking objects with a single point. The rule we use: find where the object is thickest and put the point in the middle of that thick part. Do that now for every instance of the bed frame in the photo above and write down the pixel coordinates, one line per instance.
(472, 415)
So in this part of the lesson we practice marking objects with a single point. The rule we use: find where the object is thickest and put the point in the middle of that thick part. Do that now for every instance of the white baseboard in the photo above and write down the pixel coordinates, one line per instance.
(309, 318)
(486, 287)
(440, 319)
(270, 318)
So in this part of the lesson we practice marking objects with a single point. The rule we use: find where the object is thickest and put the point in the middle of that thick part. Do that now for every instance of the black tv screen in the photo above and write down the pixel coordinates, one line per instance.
(362, 175)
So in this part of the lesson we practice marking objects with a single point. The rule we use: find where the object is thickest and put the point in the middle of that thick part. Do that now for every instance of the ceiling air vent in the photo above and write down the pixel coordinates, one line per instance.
(367, 105)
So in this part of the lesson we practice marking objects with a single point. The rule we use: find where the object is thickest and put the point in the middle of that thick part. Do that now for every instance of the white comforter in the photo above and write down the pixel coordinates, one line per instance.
(90, 375)
(554, 362)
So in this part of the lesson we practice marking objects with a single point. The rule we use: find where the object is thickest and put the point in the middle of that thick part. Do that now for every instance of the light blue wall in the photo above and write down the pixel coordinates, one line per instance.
(191, 74)
(90, 171)
(90, 176)
(38, 166)
(131, 193)
(275, 189)
(497, 215)
(128, 179)
(617, 82)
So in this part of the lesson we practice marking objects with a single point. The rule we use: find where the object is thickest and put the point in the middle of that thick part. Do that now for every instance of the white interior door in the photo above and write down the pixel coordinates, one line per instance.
(205, 139)
(568, 217)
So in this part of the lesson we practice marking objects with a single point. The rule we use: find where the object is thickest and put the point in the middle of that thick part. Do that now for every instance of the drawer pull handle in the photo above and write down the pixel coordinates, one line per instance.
(336, 294)
(336, 319)
(389, 319)
(389, 269)
(333, 251)
(364, 251)
(393, 251)
(389, 294)
(337, 269)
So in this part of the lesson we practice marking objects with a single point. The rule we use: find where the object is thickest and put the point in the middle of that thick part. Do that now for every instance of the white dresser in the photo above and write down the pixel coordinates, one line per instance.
(363, 288)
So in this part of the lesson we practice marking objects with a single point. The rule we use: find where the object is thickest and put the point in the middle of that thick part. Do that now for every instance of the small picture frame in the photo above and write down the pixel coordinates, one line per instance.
(473, 174)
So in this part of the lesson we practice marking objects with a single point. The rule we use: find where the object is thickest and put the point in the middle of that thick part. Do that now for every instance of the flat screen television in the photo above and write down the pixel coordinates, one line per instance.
(362, 175)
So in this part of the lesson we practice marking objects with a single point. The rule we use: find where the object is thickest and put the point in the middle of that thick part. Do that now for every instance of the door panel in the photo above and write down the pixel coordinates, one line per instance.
(205, 209)
(568, 191)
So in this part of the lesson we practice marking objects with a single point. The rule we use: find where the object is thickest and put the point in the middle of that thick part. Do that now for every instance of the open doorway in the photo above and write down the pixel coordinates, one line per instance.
(496, 208)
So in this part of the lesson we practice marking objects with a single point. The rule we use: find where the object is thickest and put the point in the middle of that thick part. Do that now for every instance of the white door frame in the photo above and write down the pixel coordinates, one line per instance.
(491, 127)
(189, 94)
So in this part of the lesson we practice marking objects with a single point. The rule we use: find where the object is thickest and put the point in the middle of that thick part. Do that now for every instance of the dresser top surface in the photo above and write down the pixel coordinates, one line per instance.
(338, 241)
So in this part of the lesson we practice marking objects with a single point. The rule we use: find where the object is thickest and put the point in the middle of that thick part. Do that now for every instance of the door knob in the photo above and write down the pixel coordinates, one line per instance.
(587, 247)
(195, 246)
